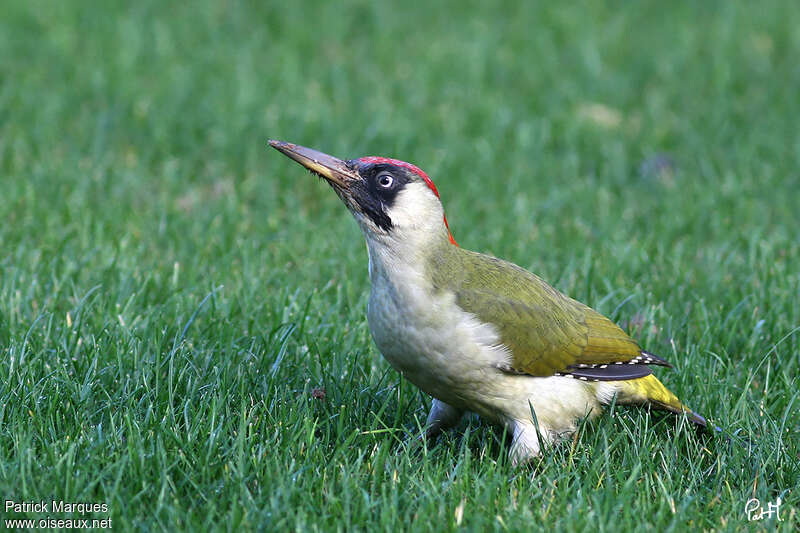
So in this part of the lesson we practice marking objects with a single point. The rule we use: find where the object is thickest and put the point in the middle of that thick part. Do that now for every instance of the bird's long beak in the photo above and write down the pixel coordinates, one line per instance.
(332, 169)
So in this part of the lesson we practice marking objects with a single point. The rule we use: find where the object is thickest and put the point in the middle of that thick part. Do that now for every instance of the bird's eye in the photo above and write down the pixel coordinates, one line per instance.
(385, 181)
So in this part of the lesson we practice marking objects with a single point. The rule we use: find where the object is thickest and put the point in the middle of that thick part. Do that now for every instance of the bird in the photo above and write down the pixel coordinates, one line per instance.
(477, 333)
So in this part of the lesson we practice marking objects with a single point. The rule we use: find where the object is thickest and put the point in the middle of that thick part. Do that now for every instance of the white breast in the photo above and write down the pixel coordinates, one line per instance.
(453, 356)
(440, 348)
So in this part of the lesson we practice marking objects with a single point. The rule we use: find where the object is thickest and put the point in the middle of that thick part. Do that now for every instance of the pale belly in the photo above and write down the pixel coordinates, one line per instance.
(455, 358)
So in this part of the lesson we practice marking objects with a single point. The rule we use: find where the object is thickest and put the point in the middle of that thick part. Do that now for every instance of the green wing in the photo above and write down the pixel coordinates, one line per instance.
(546, 331)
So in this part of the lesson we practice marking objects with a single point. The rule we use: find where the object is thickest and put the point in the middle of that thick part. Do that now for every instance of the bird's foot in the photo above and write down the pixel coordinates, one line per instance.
(525, 444)
(442, 416)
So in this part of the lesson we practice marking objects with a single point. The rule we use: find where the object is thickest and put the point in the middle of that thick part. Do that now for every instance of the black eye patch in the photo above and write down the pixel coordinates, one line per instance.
(385, 181)
(378, 190)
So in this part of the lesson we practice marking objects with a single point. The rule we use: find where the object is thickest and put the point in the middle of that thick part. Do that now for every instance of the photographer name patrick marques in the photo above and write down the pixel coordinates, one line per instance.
(50, 507)
(54, 506)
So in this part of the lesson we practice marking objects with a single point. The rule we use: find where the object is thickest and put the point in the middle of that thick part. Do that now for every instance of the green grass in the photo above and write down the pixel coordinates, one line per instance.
(172, 291)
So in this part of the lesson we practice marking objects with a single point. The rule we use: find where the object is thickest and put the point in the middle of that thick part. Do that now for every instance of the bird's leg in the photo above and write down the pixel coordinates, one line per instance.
(525, 443)
(441, 417)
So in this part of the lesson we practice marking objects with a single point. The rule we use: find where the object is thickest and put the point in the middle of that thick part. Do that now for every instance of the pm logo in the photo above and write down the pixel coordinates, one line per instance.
(755, 511)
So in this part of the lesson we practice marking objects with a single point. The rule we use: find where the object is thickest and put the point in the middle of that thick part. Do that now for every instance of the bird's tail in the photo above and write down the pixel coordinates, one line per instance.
(648, 390)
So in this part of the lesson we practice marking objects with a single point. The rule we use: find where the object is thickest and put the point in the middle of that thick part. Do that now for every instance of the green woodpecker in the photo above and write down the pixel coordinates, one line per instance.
(475, 332)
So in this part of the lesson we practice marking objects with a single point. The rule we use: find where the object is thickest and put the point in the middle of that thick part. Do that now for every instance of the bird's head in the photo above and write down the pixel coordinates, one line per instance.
(390, 199)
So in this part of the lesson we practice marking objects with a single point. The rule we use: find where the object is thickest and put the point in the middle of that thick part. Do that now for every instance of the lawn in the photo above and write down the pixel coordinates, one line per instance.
(182, 309)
